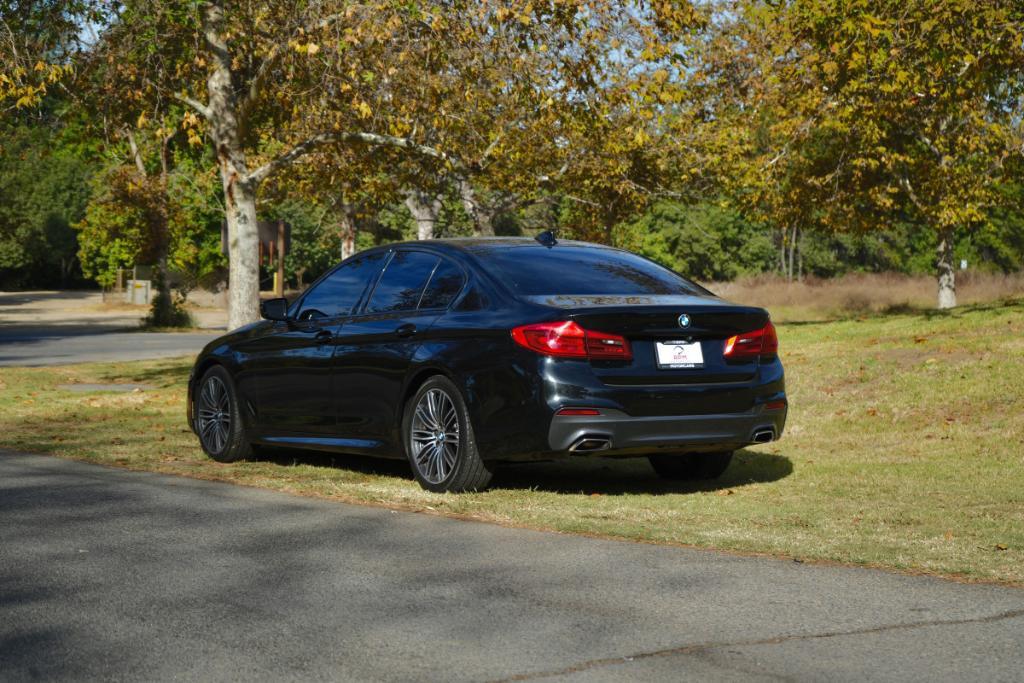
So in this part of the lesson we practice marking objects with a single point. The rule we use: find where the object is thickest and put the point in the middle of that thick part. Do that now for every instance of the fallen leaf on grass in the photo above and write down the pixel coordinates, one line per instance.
(1001, 546)
(726, 492)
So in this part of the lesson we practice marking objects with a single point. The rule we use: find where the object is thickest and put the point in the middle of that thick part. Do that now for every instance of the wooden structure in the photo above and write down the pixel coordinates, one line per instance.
(275, 241)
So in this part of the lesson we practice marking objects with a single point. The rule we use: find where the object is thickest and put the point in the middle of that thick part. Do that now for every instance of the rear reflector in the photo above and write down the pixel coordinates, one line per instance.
(578, 411)
(566, 339)
(763, 342)
(774, 405)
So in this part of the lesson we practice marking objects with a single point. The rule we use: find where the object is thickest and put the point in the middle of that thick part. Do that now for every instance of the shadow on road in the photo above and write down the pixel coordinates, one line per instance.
(21, 298)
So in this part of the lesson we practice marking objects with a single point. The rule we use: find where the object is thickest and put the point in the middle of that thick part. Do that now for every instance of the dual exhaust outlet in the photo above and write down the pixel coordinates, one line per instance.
(591, 443)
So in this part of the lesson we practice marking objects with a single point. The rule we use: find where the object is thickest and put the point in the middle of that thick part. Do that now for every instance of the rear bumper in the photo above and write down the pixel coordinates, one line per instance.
(614, 432)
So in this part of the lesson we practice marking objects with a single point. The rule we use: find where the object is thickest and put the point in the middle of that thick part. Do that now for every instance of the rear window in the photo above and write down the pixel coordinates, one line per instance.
(444, 284)
(402, 283)
(568, 270)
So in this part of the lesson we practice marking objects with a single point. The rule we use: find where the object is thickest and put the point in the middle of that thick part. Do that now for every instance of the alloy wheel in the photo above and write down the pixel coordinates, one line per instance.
(434, 437)
(214, 414)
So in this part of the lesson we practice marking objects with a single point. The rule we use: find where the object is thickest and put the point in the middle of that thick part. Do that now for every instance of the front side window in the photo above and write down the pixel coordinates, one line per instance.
(402, 282)
(339, 292)
(444, 284)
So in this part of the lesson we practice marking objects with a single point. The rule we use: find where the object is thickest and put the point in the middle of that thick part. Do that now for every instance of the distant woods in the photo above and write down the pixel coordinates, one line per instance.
(809, 137)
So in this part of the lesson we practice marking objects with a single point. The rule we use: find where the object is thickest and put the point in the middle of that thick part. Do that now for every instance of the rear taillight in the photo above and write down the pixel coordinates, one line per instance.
(763, 342)
(567, 339)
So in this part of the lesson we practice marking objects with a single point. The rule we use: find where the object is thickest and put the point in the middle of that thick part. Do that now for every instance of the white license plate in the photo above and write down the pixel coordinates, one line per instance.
(679, 355)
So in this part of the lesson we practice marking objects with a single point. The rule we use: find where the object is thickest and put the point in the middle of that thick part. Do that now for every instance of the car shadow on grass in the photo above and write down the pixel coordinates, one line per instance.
(293, 457)
(571, 476)
(616, 476)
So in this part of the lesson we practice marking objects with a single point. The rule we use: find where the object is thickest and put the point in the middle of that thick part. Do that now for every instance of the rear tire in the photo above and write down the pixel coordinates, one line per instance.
(218, 418)
(691, 466)
(439, 442)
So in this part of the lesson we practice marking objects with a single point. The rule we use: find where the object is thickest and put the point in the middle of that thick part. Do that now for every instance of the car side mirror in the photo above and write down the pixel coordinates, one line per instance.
(275, 309)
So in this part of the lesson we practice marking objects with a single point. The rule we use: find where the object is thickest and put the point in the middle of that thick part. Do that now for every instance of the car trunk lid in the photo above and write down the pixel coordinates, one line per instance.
(646, 321)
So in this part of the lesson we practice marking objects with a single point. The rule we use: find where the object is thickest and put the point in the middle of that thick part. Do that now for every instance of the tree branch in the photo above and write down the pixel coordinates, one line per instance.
(259, 79)
(300, 150)
(905, 182)
(490, 148)
(136, 155)
(201, 108)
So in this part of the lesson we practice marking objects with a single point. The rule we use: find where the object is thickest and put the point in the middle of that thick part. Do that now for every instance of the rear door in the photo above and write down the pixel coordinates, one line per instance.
(374, 348)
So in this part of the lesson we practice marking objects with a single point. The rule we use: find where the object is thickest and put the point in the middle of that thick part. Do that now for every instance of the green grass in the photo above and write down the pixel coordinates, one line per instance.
(904, 449)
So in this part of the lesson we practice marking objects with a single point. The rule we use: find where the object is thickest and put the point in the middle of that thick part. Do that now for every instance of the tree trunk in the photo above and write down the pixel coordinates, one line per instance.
(483, 223)
(944, 270)
(782, 250)
(425, 209)
(347, 225)
(167, 315)
(239, 191)
(243, 253)
(800, 259)
(792, 253)
(609, 233)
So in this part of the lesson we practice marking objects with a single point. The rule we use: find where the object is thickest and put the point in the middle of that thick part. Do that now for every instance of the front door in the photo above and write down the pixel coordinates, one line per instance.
(292, 366)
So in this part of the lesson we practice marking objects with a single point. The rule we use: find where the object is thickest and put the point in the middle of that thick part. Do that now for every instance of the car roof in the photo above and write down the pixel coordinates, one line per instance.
(485, 244)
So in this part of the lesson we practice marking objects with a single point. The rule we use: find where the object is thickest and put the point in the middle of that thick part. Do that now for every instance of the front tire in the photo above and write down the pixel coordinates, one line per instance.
(218, 418)
(691, 466)
(439, 441)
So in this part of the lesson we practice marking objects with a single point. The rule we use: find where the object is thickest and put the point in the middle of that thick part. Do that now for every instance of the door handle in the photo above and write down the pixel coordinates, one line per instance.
(323, 336)
(406, 330)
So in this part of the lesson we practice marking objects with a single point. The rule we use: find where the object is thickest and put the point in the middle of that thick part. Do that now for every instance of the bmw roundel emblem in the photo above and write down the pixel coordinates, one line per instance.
(684, 320)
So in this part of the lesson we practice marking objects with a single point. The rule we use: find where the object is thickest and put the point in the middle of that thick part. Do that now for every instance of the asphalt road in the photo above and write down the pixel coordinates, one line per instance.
(39, 345)
(110, 574)
(56, 328)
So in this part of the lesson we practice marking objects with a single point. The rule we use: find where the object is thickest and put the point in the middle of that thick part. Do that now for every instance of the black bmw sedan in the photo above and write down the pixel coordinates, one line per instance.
(462, 354)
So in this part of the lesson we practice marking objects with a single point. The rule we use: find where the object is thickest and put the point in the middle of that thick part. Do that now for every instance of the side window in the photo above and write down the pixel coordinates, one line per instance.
(340, 291)
(474, 300)
(402, 283)
(444, 284)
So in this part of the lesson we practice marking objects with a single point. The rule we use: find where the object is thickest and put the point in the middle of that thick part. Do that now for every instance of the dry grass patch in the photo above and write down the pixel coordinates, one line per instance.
(905, 449)
(858, 294)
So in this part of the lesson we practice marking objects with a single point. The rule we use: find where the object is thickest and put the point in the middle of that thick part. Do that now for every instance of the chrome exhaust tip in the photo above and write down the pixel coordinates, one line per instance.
(764, 435)
(590, 444)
